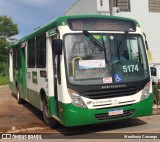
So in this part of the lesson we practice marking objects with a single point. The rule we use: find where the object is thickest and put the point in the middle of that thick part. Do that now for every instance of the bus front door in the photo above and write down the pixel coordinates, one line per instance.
(56, 84)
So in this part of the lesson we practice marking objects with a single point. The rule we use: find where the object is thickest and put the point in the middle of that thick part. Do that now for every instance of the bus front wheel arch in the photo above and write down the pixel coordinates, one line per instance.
(48, 120)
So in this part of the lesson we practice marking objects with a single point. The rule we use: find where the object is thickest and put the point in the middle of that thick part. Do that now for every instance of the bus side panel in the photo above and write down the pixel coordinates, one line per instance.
(35, 83)
(32, 87)
(34, 98)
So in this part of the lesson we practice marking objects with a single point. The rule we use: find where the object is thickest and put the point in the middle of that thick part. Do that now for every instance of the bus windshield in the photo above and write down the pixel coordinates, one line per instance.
(123, 58)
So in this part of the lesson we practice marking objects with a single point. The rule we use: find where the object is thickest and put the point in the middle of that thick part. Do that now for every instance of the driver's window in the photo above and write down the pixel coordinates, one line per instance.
(80, 47)
(133, 52)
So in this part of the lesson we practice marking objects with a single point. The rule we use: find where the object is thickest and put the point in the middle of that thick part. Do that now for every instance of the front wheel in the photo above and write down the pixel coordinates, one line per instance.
(47, 118)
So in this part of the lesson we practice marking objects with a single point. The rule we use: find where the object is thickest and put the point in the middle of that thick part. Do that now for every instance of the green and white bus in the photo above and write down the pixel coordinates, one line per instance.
(84, 69)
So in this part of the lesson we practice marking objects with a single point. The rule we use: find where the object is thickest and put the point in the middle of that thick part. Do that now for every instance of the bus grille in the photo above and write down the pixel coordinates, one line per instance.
(110, 93)
(105, 116)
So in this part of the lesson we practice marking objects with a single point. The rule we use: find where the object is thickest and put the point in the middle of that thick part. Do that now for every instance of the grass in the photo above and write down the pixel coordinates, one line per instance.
(3, 80)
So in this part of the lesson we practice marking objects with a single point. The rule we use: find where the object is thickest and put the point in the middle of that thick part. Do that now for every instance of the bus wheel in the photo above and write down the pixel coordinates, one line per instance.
(19, 99)
(47, 118)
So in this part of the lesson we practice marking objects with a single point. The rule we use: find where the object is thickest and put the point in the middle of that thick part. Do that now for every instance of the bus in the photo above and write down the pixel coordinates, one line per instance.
(81, 70)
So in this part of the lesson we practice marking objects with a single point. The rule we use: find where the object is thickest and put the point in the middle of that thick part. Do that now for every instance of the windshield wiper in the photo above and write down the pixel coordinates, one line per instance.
(123, 38)
(99, 45)
(94, 40)
(120, 43)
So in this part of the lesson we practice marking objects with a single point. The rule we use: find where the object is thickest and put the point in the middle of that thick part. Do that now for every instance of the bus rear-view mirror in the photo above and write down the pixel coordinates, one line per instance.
(57, 46)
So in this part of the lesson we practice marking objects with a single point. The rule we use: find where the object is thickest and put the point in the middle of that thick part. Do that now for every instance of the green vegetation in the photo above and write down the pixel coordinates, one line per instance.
(156, 94)
(3, 73)
(3, 80)
(7, 30)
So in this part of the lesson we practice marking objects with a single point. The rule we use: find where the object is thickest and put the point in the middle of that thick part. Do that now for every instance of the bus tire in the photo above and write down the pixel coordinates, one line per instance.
(19, 99)
(48, 120)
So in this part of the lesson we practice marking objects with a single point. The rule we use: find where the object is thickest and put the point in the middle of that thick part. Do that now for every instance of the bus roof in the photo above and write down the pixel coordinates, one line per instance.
(61, 21)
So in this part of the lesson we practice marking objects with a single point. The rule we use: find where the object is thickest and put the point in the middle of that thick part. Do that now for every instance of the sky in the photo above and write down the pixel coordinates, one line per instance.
(30, 14)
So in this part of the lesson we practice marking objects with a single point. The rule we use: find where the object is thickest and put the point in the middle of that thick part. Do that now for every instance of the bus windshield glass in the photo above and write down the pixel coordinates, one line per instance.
(123, 58)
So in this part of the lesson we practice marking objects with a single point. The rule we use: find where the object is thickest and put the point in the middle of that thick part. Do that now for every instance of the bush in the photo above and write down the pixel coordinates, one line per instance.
(156, 94)
(3, 80)
(3, 69)
(3, 73)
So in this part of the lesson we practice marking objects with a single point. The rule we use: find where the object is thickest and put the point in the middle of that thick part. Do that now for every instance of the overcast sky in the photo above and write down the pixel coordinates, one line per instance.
(30, 14)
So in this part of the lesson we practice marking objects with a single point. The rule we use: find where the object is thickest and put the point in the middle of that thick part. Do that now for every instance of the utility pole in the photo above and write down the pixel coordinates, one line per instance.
(111, 6)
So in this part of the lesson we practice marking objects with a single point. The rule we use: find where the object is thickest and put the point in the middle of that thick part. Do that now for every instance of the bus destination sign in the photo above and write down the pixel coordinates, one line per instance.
(101, 24)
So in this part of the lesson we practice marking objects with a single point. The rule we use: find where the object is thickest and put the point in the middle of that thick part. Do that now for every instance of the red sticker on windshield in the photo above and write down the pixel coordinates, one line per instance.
(107, 80)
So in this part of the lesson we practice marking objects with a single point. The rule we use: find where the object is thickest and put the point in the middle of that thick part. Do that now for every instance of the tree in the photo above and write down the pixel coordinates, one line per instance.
(3, 50)
(7, 30)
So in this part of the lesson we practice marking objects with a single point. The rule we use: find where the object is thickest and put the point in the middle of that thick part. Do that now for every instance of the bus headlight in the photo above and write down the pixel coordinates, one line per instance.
(145, 91)
(76, 99)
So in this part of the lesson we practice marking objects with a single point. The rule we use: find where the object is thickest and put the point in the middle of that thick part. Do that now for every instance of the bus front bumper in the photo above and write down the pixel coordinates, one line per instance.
(76, 116)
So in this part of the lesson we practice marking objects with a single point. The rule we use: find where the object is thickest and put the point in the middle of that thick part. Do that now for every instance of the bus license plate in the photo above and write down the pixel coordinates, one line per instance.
(115, 112)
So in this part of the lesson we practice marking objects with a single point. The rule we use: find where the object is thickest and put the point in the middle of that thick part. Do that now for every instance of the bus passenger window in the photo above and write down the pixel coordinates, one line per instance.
(41, 51)
(31, 53)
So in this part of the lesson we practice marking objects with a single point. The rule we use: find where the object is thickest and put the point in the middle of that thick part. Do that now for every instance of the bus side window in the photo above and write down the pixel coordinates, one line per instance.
(14, 57)
(31, 53)
(41, 51)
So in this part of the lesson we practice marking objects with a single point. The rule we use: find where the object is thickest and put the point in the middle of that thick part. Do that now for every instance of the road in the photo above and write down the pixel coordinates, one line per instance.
(15, 118)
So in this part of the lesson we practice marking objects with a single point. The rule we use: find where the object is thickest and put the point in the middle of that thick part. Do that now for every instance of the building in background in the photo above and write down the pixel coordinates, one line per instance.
(146, 12)
(89, 7)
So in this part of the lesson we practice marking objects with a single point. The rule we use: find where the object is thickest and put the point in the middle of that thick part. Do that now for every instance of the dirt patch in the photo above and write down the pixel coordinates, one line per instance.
(16, 117)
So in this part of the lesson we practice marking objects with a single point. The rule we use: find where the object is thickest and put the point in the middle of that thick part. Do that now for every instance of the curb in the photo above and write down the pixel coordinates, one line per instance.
(4, 86)
(25, 129)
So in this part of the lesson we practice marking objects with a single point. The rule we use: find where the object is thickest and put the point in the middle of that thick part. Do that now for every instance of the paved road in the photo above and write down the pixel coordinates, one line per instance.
(15, 118)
